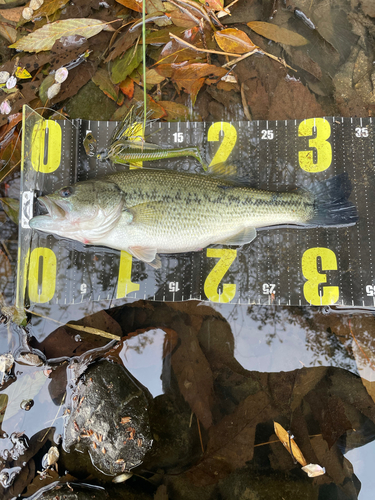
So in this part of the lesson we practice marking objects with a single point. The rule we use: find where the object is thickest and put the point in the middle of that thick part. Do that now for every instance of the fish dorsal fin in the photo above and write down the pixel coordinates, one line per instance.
(148, 255)
(147, 213)
(227, 172)
(244, 237)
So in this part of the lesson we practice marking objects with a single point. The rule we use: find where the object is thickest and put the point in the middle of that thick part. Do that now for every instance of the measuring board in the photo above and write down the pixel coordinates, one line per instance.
(283, 265)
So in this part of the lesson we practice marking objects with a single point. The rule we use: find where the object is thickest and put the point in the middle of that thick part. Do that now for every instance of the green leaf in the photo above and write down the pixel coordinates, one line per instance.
(103, 81)
(122, 67)
(44, 38)
(11, 207)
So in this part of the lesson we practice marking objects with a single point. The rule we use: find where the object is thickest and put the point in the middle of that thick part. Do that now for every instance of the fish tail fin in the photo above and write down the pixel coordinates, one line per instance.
(331, 204)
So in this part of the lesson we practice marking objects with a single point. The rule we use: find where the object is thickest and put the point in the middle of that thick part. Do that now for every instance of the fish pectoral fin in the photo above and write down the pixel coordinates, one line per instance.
(245, 236)
(147, 213)
(146, 255)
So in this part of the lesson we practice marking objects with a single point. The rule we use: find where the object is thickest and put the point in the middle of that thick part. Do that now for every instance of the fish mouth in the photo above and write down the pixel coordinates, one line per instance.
(51, 209)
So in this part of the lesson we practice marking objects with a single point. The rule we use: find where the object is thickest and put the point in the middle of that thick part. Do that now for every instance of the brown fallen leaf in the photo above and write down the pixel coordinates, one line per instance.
(132, 4)
(47, 9)
(127, 87)
(175, 111)
(277, 34)
(153, 6)
(122, 44)
(234, 40)
(45, 37)
(8, 32)
(214, 4)
(162, 36)
(289, 443)
(194, 375)
(191, 77)
(12, 14)
(153, 77)
(231, 441)
(291, 100)
(183, 20)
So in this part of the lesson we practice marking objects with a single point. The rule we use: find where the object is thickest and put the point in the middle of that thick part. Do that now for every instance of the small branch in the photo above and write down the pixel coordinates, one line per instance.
(199, 49)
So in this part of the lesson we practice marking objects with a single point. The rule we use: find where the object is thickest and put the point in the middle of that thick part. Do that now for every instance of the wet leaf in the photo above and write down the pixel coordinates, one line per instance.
(194, 376)
(214, 4)
(153, 77)
(183, 20)
(122, 44)
(5, 271)
(48, 8)
(231, 441)
(289, 444)
(175, 111)
(162, 36)
(132, 4)
(8, 32)
(12, 14)
(45, 37)
(234, 40)
(157, 111)
(123, 66)
(365, 360)
(103, 81)
(11, 207)
(24, 388)
(277, 34)
(127, 87)
(153, 6)
(191, 77)
(291, 100)
(22, 73)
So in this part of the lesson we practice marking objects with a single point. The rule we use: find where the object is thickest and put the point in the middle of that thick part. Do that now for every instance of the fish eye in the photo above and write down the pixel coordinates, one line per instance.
(66, 192)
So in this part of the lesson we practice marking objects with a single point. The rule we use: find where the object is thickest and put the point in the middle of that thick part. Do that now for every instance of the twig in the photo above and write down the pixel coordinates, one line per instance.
(258, 51)
(245, 106)
(199, 49)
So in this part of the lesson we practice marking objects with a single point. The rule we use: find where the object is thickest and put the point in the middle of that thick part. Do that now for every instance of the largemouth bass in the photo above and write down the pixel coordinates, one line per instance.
(150, 211)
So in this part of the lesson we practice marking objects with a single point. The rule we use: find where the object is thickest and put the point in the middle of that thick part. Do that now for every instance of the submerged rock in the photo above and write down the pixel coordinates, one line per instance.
(109, 419)
(70, 491)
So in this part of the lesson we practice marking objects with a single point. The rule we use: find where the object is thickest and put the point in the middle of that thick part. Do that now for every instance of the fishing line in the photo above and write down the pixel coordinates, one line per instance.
(144, 63)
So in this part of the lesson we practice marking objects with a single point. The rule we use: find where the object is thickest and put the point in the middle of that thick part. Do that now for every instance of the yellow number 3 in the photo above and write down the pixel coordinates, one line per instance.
(323, 148)
(330, 294)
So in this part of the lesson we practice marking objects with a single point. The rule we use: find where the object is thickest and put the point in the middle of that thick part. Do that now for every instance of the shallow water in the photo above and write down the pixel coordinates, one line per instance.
(215, 376)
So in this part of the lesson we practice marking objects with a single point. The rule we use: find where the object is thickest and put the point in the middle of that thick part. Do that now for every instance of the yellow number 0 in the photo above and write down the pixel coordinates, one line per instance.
(125, 284)
(229, 140)
(323, 148)
(43, 292)
(46, 146)
(226, 256)
(330, 294)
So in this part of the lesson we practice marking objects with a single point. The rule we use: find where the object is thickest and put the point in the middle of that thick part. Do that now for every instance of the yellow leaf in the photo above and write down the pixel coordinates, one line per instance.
(45, 37)
(234, 40)
(277, 34)
(22, 73)
(289, 443)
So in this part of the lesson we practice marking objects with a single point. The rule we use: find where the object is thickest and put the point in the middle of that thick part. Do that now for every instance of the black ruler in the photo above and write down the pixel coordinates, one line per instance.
(284, 265)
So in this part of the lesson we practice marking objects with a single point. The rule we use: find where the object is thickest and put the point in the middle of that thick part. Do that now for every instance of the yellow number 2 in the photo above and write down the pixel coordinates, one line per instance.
(320, 143)
(226, 256)
(330, 294)
(228, 143)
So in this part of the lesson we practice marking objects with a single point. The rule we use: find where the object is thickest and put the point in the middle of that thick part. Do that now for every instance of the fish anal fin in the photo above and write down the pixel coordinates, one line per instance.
(244, 237)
